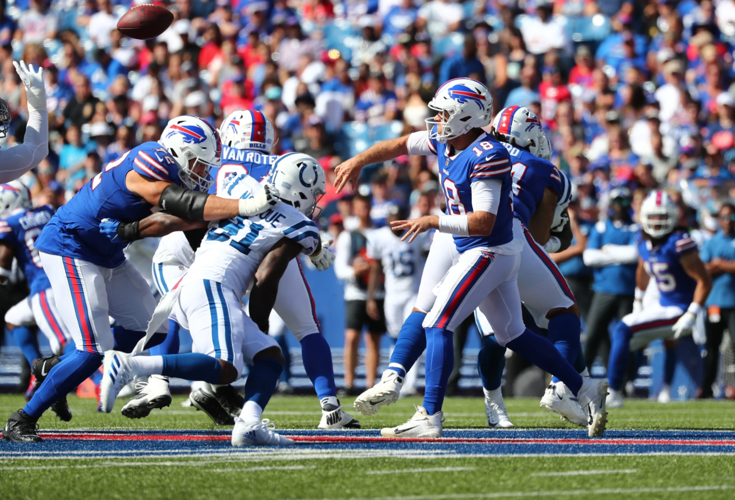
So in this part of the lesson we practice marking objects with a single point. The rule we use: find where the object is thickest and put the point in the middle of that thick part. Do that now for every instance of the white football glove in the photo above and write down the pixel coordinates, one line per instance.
(684, 325)
(33, 81)
(323, 260)
(266, 198)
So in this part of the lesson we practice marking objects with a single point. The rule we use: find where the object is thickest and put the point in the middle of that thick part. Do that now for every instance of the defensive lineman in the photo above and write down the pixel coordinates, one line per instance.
(208, 301)
(669, 256)
(89, 275)
(476, 179)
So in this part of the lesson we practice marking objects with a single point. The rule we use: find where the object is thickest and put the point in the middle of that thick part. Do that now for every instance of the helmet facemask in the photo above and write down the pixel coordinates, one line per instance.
(658, 221)
(450, 128)
(189, 176)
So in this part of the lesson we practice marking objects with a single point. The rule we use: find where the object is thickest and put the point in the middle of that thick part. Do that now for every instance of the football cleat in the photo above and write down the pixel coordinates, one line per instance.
(62, 410)
(664, 396)
(615, 399)
(206, 401)
(229, 398)
(497, 415)
(334, 417)
(21, 428)
(257, 434)
(42, 366)
(592, 396)
(560, 400)
(384, 393)
(33, 386)
(421, 425)
(152, 395)
(116, 374)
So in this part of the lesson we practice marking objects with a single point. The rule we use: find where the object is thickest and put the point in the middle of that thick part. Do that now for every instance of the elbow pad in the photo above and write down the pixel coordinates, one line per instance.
(183, 203)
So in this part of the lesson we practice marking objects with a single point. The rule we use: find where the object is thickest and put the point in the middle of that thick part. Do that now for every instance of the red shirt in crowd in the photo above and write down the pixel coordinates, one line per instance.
(551, 96)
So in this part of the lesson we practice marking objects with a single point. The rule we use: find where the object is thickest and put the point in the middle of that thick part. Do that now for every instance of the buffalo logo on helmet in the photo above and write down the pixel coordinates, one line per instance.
(463, 94)
(191, 134)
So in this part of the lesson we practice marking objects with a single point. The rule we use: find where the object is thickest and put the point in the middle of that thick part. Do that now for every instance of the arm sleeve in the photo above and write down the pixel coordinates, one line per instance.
(342, 267)
(305, 234)
(19, 159)
(6, 232)
(419, 144)
(685, 245)
(493, 166)
(486, 195)
(593, 257)
(623, 254)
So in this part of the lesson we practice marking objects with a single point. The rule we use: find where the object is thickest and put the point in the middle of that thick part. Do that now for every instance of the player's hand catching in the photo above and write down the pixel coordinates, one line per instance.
(33, 81)
(416, 226)
(108, 227)
(684, 325)
(347, 171)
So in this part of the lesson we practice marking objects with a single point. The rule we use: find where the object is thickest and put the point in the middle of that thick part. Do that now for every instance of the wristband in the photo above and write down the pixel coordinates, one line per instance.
(639, 293)
(454, 224)
(694, 308)
(128, 231)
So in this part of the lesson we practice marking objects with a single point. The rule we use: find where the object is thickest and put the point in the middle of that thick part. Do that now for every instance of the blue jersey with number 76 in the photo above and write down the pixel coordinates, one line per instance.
(74, 230)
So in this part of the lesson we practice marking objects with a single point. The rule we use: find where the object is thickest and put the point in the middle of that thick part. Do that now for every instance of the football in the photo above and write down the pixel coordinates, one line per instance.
(143, 22)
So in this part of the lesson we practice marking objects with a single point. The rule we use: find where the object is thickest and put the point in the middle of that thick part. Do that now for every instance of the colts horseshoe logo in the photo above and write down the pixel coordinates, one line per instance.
(308, 176)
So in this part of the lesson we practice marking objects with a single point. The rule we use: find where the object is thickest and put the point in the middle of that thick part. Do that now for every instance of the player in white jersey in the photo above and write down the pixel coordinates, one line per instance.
(401, 264)
(19, 159)
(208, 301)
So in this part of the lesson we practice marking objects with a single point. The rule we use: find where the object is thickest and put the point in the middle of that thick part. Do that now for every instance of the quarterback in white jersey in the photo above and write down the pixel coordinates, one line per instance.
(208, 300)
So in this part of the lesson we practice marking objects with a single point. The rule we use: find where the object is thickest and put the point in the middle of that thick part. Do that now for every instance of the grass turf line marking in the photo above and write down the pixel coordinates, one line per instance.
(584, 472)
(546, 493)
(412, 471)
(256, 469)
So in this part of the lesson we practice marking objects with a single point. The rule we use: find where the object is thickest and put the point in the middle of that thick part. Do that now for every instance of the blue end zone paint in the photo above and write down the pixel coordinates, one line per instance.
(172, 444)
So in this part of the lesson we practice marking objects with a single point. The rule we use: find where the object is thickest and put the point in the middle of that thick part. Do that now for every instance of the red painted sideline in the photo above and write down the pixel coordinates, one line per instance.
(356, 439)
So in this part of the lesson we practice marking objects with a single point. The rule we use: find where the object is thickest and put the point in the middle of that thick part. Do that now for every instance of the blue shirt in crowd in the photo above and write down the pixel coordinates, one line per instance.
(574, 267)
(721, 246)
(617, 279)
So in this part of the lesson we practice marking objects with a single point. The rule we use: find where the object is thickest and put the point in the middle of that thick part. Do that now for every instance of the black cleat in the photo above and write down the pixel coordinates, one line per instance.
(61, 408)
(42, 366)
(21, 429)
(229, 398)
(210, 405)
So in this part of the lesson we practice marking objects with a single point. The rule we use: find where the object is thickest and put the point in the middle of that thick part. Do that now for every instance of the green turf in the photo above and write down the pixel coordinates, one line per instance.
(213, 478)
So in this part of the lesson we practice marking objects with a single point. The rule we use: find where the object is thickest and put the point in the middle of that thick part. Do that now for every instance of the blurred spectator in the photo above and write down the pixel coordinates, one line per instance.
(102, 23)
(80, 109)
(38, 23)
(465, 64)
(72, 158)
(315, 141)
(553, 90)
(352, 266)
(526, 94)
(440, 17)
(544, 32)
(376, 105)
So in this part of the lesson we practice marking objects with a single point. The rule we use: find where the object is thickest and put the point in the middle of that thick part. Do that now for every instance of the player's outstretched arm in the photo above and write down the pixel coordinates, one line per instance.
(19, 159)
(383, 151)
(270, 271)
(153, 226)
(695, 268)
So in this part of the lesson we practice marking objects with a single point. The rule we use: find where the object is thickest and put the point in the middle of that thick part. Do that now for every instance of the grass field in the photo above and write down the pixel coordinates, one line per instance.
(640, 457)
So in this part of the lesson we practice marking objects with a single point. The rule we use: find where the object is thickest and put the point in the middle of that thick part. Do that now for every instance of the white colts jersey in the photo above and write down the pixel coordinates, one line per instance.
(234, 248)
(174, 249)
(403, 262)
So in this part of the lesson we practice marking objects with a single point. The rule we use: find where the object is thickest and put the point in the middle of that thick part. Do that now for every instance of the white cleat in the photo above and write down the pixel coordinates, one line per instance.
(560, 400)
(336, 418)
(116, 374)
(128, 391)
(614, 399)
(497, 415)
(592, 397)
(154, 394)
(257, 434)
(421, 425)
(664, 396)
(384, 393)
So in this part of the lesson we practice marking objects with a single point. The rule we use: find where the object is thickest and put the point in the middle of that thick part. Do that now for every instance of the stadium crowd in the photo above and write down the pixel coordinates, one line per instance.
(633, 96)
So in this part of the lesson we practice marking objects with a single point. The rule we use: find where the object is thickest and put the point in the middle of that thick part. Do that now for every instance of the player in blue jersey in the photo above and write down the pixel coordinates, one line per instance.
(247, 138)
(669, 256)
(89, 275)
(19, 229)
(476, 178)
(541, 193)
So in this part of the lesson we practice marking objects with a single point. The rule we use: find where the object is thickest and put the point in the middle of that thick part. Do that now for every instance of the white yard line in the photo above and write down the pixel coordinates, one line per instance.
(255, 469)
(584, 472)
(416, 471)
(545, 493)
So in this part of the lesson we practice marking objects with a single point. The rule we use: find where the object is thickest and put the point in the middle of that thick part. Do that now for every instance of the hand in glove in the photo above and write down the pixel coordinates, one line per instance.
(266, 198)
(108, 227)
(684, 325)
(33, 81)
(323, 260)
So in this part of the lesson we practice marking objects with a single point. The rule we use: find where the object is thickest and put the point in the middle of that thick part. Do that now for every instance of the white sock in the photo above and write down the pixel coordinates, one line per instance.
(251, 412)
(146, 365)
(585, 373)
(329, 400)
(493, 395)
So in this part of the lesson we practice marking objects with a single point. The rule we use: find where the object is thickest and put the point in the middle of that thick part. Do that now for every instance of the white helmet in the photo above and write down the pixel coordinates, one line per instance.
(190, 138)
(659, 214)
(520, 127)
(300, 181)
(13, 195)
(247, 130)
(468, 104)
